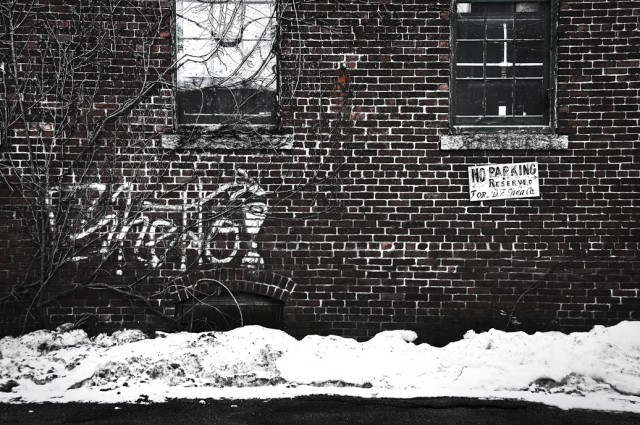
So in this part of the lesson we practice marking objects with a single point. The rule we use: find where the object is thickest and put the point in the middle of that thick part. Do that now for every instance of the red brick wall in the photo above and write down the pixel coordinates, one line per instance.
(370, 224)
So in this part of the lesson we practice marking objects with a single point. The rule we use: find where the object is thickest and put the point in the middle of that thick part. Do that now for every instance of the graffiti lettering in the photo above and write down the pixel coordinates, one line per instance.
(204, 227)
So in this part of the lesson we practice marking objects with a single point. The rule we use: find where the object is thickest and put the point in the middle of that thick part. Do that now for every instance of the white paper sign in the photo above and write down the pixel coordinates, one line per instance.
(503, 181)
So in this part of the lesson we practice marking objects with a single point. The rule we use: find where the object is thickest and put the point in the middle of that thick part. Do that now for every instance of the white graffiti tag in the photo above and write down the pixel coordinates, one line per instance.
(201, 226)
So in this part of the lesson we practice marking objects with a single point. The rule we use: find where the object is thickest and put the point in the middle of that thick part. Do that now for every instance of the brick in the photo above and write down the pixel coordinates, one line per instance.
(370, 226)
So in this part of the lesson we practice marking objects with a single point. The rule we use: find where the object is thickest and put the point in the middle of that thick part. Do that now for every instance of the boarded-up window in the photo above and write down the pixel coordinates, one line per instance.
(227, 64)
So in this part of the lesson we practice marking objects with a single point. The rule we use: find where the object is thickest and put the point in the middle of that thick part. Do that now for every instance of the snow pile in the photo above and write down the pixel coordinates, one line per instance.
(243, 357)
(596, 369)
(601, 360)
(40, 342)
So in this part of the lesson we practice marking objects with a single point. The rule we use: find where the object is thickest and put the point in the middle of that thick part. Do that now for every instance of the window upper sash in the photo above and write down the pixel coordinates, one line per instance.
(227, 68)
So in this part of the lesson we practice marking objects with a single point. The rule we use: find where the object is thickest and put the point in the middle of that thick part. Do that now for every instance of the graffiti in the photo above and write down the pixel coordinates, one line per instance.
(199, 226)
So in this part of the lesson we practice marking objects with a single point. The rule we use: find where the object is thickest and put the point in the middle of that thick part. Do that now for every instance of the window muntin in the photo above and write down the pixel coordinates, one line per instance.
(227, 70)
(501, 67)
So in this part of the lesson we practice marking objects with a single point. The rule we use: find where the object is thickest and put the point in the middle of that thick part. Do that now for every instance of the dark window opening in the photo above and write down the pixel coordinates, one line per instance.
(502, 65)
(220, 105)
(223, 313)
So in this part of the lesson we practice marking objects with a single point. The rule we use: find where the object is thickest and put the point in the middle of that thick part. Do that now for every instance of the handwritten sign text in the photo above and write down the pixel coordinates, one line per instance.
(503, 181)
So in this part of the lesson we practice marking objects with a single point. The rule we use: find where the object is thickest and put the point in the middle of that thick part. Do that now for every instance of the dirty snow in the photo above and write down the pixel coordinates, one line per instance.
(599, 369)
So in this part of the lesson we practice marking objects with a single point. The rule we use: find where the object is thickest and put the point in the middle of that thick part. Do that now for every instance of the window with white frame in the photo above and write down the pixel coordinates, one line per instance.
(502, 66)
(227, 64)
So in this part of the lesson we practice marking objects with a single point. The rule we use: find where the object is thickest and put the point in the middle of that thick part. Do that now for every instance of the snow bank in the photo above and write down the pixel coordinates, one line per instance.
(596, 369)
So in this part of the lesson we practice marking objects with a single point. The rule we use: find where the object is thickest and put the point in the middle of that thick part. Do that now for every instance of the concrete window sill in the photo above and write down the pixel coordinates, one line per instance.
(221, 138)
(503, 141)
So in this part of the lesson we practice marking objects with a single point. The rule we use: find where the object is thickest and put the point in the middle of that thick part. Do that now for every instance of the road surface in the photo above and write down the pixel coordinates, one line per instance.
(320, 410)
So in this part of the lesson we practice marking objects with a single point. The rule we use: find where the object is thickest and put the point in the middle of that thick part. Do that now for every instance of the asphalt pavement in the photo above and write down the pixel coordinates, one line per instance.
(325, 410)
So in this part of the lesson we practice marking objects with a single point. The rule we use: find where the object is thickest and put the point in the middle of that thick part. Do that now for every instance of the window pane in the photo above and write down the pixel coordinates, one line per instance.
(530, 52)
(213, 104)
(259, 102)
(469, 98)
(499, 29)
(470, 52)
(499, 60)
(195, 69)
(471, 29)
(257, 21)
(191, 27)
(470, 71)
(499, 98)
(495, 9)
(529, 71)
(529, 29)
(498, 52)
(250, 64)
(494, 71)
(464, 8)
(530, 97)
(469, 9)
(528, 8)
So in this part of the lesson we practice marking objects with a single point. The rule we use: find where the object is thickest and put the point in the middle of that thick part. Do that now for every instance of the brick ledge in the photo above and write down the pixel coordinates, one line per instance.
(222, 139)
